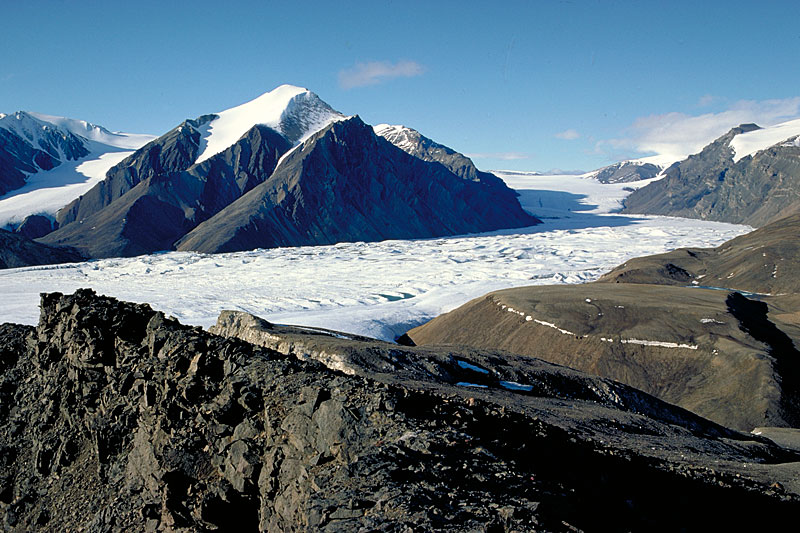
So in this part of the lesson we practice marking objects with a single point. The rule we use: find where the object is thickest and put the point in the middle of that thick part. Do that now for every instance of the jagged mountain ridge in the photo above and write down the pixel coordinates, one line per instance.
(720, 184)
(413, 142)
(348, 184)
(151, 214)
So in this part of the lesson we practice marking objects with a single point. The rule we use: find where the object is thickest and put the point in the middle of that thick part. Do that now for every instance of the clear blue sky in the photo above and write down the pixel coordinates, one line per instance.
(523, 85)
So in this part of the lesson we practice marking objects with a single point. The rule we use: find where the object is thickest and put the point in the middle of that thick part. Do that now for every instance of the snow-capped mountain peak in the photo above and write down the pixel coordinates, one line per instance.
(295, 112)
(751, 142)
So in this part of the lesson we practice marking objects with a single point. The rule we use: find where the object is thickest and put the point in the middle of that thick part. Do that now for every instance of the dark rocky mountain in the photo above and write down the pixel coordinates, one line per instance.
(754, 190)
(152, 201)
(29, 145)
(113, 417)
(19, 251)
(626, 172)
(304, 113)
(347, 184)
(728, 357)
(173, 152)
(329, 190)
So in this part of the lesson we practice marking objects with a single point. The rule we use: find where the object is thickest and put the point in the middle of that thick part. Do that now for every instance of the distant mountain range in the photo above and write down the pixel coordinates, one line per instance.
(285, 169)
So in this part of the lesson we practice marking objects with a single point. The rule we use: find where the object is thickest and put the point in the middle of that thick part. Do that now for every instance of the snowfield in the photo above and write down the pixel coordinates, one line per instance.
(381, 289)
(46, 192)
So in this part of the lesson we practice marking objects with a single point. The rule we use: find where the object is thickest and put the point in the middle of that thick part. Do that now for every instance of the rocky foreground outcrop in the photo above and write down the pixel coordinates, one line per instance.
(114, 417)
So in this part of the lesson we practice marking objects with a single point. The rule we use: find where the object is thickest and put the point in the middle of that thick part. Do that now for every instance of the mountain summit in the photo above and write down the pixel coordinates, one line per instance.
(294, 112)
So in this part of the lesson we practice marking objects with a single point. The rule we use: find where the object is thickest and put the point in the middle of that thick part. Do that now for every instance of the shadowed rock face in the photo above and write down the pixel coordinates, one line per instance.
(347, 184)
(113, 417)
(755, 190)
(173, 152)
(155, 201)
(34, 226)
(18, 251)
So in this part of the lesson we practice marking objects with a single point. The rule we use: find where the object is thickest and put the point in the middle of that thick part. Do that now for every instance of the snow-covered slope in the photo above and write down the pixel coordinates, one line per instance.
(99, 134)
(568, 196)
(751, 142)
(295, 112)
(82, 153)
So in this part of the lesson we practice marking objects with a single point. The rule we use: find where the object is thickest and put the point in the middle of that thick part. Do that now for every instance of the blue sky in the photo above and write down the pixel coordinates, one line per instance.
(519, 85)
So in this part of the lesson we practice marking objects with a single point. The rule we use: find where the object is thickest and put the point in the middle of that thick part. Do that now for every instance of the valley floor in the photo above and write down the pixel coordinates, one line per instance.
(381, 289)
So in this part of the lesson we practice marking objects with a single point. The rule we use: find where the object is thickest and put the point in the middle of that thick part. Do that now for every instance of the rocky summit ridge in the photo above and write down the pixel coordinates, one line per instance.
(114, 417)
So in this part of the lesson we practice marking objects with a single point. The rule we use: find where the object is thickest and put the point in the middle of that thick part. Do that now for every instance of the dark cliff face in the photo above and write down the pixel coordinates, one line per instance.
(755, 190)
(347, 184)
(152, 214)
(21, 155)
(113, 417)
(19, 251)
(171, 153)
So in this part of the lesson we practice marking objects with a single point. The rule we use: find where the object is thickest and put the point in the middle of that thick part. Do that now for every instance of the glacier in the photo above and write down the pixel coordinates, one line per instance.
(381, 289)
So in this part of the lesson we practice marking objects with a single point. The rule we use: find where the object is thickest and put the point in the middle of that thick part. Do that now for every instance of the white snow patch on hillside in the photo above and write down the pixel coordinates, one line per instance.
(267, 110)
(401, 136)
(47, 192)
(752, 142)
